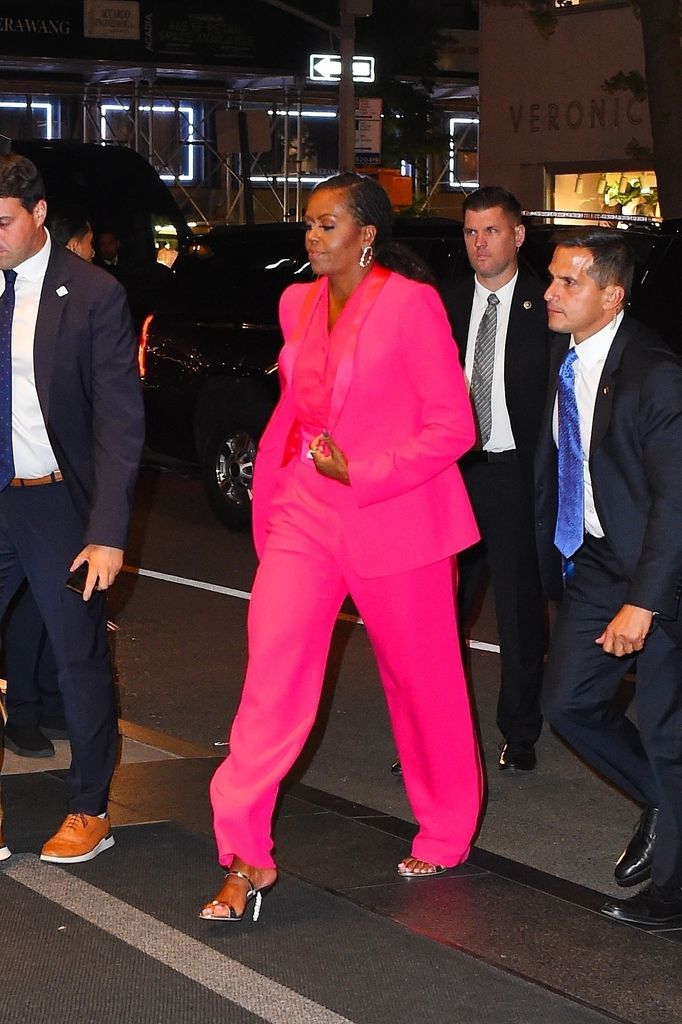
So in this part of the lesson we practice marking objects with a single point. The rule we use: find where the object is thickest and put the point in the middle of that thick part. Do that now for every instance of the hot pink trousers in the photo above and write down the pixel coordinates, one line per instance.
(410, 617)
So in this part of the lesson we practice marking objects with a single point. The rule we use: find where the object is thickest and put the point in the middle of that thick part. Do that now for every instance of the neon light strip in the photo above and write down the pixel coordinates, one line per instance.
(159, 109)
(19, 105)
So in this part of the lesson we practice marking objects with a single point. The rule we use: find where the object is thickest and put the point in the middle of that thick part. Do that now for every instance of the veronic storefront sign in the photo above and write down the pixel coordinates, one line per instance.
(595, 114)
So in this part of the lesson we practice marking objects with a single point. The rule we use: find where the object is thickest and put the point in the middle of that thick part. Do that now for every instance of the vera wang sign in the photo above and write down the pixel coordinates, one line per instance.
(34, 26)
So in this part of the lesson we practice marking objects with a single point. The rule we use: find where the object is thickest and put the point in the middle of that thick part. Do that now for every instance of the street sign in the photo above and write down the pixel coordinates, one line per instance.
(326, 67)
(367, 131)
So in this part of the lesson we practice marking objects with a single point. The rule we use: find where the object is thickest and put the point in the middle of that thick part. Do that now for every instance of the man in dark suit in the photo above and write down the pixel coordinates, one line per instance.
(70, 443)
(35, 712)
(499, 472)
(610, 499)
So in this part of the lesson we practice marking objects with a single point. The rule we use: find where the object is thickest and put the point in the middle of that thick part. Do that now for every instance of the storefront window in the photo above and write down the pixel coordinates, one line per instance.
(166, 130)
(463, 156)
(35, 120)
(567, 4)
(629, 192)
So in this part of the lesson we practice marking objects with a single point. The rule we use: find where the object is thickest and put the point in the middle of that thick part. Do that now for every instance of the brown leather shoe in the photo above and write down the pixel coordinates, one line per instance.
(5, 852)
(80, 837)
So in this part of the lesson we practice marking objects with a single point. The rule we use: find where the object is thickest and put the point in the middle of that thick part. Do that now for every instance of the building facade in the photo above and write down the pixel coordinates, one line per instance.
(553, 131)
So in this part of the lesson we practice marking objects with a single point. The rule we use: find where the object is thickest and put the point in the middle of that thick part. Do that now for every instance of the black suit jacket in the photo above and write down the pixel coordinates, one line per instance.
(635, 466)
(526, 352)
(89, 391)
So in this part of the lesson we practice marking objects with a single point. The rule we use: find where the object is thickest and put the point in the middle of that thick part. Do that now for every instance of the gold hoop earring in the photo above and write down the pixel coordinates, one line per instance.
(366, 256)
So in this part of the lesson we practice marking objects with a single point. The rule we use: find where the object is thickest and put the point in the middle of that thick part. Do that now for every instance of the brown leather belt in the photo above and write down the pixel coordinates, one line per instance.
(36, 481)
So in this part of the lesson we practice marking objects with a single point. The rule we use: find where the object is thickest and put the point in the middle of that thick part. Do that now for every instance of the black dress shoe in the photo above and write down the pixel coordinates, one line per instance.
(634, 864)
(653, 906)
(55, 728)
(396, 768)
(518, 756)
(27, 741)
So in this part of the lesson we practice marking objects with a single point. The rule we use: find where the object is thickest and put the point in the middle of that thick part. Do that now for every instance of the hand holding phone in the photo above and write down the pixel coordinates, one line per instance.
(76, 580)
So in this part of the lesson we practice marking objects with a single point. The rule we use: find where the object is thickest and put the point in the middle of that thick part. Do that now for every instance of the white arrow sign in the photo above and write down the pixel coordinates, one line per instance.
(326, 67)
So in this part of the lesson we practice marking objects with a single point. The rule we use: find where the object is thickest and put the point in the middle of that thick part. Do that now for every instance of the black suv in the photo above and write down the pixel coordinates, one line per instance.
(208, 354)
(117, 190)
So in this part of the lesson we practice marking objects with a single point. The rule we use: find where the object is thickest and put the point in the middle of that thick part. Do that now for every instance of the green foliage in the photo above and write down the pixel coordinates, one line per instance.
(540, 12)
(631, 189)
(631, 81)
(639, 154)
(406, 69)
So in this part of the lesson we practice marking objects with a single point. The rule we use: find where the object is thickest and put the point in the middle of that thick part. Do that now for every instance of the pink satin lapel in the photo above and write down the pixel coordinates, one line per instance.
(289, 355)
(291, 350)
(372, 287)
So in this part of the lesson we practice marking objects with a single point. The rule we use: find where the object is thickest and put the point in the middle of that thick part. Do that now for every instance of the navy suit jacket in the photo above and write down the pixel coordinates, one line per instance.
(89, 391)
(526, 361)
(636, 470)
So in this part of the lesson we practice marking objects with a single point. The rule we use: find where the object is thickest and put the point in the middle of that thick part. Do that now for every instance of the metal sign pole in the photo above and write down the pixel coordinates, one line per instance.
(346, 90)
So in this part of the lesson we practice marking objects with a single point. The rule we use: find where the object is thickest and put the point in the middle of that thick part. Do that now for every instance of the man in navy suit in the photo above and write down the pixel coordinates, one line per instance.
(68, 468)
(35, 713)
(620, 603)
(499, 472)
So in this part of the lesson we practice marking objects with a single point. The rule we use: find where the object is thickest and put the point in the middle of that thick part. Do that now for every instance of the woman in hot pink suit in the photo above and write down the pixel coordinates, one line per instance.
(356, 491)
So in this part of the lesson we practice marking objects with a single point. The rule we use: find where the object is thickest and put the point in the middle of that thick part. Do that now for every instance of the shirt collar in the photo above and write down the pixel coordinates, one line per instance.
(35, 266)
(595, 349)
(504, 293)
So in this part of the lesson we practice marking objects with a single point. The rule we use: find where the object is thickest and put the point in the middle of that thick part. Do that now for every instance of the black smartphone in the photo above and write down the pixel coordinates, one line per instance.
(76, 580)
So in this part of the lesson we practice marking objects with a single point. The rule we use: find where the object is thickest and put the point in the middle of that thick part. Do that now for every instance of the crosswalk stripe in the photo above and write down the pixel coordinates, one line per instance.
(215, 971)
(244, 595)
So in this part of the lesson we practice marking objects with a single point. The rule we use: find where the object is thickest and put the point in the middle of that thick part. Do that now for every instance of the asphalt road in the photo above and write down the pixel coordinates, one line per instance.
(180, 653)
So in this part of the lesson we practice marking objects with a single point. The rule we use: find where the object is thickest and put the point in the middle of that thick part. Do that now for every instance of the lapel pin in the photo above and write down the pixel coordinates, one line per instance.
(606, 389)
(528, 304)
(62, 291)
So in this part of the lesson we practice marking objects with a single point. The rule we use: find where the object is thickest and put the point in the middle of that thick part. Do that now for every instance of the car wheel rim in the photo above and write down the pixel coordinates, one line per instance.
(234, 469)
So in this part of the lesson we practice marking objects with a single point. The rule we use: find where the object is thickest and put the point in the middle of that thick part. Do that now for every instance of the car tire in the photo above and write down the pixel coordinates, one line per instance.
(227, 473)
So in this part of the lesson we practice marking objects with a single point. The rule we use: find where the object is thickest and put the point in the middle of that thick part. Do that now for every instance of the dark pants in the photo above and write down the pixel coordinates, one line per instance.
(502, 497)
(40, 534)
(581, 683)
(33, 696)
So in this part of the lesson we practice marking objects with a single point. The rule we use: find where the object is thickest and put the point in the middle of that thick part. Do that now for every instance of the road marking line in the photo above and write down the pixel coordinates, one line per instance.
(480, 645)
(197, 584)
(228, 978)
(244, 595)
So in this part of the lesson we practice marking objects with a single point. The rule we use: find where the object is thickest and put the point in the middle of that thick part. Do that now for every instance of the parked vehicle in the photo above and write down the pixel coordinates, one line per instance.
(119, 191)
(209, 351)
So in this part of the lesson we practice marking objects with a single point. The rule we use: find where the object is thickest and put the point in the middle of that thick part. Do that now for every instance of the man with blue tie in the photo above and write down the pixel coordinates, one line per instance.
(609, 530)
(71, 432)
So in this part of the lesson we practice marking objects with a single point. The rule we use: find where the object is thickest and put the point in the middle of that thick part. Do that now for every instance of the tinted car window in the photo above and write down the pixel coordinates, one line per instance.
(234, 276)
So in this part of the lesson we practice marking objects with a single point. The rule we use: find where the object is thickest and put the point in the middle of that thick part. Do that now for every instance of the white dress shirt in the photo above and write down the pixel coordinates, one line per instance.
(501, 437)
(588, 367)
(33, 455)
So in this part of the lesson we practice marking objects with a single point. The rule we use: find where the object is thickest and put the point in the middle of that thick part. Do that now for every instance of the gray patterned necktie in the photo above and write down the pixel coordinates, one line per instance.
(482, 373)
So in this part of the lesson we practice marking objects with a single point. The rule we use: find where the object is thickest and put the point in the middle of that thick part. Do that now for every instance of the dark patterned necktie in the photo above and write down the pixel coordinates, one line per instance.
(482, 372)
(570, 524)
(6, 315)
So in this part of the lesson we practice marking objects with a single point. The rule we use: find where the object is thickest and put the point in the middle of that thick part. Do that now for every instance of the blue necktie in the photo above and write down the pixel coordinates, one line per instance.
(6, 314)
(570, 524)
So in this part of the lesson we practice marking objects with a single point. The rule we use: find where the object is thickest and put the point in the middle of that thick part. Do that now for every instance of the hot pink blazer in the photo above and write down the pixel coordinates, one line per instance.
(401, 414)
